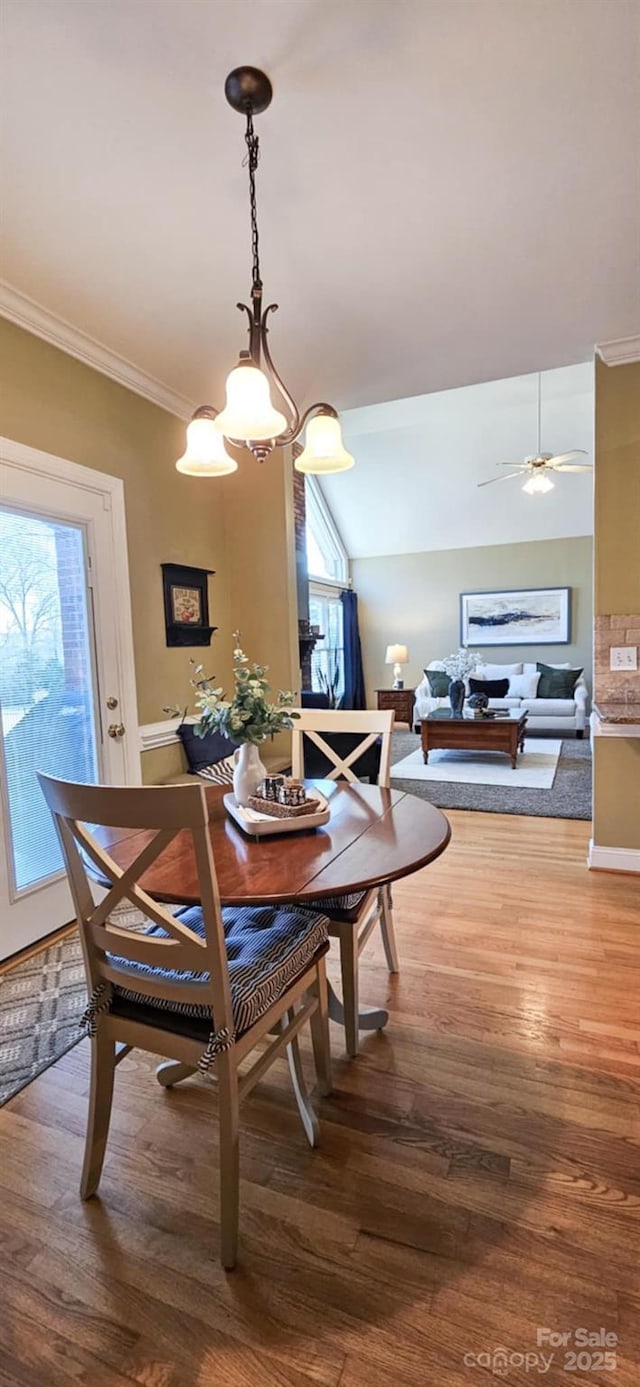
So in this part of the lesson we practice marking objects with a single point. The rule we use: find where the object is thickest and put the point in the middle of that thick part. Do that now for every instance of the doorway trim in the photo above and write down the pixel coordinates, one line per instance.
(111, 489)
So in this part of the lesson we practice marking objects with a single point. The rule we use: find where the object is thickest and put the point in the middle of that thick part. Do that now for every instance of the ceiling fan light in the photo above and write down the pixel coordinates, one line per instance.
(324, 450)
(538, 484)
(205, 454)
(249, 413)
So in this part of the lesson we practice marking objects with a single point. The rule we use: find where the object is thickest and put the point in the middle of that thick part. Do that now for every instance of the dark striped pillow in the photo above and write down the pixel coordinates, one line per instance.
(221, 772)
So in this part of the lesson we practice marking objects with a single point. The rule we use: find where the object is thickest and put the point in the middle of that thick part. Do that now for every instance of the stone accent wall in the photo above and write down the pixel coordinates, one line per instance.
(615, 685)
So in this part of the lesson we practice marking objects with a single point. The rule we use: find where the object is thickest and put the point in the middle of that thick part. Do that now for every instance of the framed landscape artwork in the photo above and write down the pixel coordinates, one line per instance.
(522, 616)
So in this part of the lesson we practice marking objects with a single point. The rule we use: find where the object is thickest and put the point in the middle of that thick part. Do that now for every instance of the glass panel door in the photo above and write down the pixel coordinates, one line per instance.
(47, 683)
(67, 679)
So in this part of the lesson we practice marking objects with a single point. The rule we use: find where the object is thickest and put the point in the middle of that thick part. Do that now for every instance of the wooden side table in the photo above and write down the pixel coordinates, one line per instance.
(401, 700)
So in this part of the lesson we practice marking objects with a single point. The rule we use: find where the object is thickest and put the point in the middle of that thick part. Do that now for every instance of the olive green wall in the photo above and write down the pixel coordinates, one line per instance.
(261, 569)
(617, 489)
(414, 599)
(239, 526)
(260, 563)
(616, 815)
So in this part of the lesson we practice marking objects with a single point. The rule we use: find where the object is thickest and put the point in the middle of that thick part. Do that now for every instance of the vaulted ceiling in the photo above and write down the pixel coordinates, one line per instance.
(420, 461)
(448, 192)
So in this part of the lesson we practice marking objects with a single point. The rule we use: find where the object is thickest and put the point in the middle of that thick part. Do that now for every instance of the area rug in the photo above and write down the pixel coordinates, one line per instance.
(535, 770)
(568, 798)
(42, 1001)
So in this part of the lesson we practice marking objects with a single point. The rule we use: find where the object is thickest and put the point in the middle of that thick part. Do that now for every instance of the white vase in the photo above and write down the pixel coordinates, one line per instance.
(248, 772)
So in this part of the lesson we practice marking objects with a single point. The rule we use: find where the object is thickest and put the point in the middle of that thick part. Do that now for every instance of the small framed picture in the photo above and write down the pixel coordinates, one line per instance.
(186, 604)
(521, 616)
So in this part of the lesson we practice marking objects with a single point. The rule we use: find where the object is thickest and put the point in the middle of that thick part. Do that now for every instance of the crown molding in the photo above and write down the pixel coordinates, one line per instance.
(30, 315)
(620, 352)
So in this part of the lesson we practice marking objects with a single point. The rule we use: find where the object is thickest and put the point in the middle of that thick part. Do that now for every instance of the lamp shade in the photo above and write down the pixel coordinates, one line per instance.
(205, 454)
(537, 484)
(248, 412)
(396, 655)
(324, 450)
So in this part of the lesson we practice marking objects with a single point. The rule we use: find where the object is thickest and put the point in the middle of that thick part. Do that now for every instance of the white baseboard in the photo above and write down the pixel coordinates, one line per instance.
(613, 859)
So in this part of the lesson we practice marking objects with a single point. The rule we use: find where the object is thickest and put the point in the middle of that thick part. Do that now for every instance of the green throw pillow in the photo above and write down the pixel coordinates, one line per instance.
(438, 682)
(556, 683)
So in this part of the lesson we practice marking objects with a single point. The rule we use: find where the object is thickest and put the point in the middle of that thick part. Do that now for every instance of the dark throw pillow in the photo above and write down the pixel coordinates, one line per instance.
(203, 751)
(438, 682)
(493, 688)
(557, 683)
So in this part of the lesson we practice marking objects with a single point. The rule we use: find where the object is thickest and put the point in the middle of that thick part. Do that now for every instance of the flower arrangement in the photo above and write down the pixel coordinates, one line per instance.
(248, 716)
(462, 663)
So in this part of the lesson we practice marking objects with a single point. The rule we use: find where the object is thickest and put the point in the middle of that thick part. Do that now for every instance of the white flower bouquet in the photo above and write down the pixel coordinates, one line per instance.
(462, 663)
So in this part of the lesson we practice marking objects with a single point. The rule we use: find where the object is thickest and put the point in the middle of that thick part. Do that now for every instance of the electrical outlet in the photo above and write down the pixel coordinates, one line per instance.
(623, 657)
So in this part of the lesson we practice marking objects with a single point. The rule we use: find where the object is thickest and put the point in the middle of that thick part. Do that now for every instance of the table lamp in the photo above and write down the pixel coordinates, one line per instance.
(397, 655)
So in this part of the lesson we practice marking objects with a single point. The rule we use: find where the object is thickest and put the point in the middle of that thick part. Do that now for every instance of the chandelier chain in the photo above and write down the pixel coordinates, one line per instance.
(249, 418)
(252, 157)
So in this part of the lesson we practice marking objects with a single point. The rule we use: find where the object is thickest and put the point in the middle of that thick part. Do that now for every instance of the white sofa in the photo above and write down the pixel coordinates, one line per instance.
(559, 715)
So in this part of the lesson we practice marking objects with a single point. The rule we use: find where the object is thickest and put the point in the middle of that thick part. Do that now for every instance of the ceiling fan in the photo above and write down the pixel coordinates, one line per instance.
(539, 465)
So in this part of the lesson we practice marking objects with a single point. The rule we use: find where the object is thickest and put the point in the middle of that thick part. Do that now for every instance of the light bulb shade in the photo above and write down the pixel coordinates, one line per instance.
(205, 454)
(248, 412)
(324, 450)
(537, 484)
(396, 655)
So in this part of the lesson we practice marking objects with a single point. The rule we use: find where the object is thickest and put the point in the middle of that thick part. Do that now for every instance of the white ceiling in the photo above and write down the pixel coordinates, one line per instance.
(419, 462)
(448, 192)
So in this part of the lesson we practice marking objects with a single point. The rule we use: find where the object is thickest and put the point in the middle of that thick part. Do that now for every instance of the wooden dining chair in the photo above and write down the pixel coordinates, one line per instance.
(201, 989)
(351, 918)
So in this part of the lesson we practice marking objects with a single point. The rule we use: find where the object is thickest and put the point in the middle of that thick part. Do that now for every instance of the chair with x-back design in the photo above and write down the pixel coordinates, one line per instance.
(351, 918)
(201, 989)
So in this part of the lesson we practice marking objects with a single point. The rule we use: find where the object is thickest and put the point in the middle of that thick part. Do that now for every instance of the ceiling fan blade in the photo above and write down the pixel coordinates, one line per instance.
(567, 457)
(522, 465)
(505, 478)
(573, 467)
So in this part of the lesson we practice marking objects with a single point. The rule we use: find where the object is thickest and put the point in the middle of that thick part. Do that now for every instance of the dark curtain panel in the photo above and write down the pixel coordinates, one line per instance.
(354, 694)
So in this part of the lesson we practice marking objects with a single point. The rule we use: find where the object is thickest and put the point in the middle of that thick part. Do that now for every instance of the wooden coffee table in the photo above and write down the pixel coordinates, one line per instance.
(442, 731)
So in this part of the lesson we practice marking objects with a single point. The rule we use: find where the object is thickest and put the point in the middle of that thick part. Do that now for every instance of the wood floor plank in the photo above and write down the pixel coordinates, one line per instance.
(478, 1177)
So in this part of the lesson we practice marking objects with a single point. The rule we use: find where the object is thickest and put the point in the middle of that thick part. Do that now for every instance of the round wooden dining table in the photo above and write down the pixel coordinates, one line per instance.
(374, 837)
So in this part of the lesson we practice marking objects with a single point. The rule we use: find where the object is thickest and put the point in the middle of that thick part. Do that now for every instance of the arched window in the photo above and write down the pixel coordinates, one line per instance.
(326, 555)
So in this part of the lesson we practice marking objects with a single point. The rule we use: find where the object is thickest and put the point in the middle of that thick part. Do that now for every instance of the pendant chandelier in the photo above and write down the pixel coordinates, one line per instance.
(250, 419)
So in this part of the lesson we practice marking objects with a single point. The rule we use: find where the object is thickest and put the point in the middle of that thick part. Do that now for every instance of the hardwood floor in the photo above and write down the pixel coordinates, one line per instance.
(479, 1174)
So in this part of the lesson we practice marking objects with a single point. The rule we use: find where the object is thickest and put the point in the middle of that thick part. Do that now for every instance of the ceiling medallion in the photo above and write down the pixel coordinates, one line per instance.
(249, 418)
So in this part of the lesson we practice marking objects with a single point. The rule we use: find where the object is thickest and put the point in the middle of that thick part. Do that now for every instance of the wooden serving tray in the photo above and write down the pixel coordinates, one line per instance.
(259, 825)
